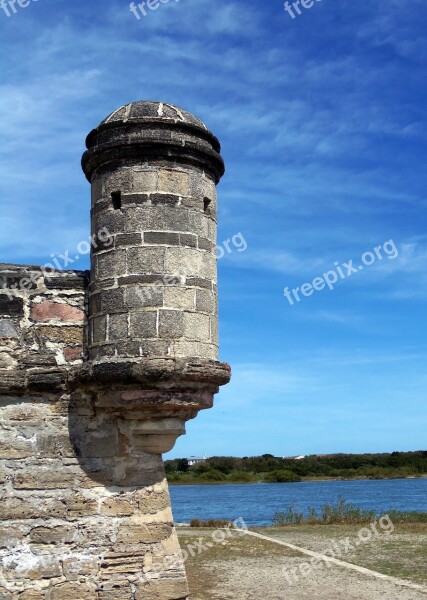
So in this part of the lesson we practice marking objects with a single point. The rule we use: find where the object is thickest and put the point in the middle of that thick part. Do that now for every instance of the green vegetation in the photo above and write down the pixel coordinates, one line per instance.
(283, 476)
(330, 514)
(271, 469)
(212, 524)
(343, 513)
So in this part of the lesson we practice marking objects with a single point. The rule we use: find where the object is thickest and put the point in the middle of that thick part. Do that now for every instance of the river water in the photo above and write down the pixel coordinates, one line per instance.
(258, 503)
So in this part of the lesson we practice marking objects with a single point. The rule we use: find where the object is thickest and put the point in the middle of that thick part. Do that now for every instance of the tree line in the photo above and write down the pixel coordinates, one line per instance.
(271, 468)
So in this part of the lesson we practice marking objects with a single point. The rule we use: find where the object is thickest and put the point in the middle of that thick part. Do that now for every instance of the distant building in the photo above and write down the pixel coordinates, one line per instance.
(300, 457)
(195, 460)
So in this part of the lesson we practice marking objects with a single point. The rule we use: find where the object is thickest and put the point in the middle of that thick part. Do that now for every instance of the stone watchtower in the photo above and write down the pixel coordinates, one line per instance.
(153, 308)
(148, 363)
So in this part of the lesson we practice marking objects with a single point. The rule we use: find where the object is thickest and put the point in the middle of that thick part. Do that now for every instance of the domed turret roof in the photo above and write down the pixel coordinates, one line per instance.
(152, 111)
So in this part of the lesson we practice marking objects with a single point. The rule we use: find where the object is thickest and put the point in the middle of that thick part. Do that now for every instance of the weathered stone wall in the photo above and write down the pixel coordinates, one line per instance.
(100, 372)
(84, 513)
(42, 324)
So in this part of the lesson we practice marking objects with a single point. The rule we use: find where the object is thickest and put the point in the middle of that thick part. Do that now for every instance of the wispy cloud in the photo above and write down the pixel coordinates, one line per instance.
(322, 129)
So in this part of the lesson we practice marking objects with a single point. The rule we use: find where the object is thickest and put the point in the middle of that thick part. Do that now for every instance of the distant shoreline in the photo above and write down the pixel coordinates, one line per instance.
(304, 480)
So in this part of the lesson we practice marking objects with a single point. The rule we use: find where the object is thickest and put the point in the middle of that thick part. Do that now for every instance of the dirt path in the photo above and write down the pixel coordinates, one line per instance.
(248, 568)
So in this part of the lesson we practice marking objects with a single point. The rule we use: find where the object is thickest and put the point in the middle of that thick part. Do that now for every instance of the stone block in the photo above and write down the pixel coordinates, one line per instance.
(74, 591)
(199, 282)
(80, 564)
(144, 181)
(79, 506)
(128, 239)
(37, 358)
(32, 595)
(122, 562)
(27, 565)
(102, 351)
(60, 534)
(128, 348)
(69, 334)
(118, 180)
(205, 244)
(112, 301)
(136, 533)
(11, 381)
(171, 324)
(75, 281)
(202, 187)
(110, 264)
(214, 331)
(145, 260)
(117, 506)
(154, 348)
(206, 301)
(7, 361)
(31, 508)
(134, 199)
(99, 329)
(199, 224)
(11, 307)
(111, 221)
(172, 588)
(143, 325)
(102, 443)
(8, 329)
(11, 536)
(180, 298)
(54, 444)
(55, 311)
(166, 199)
(157, 216)
(96, 189)
(120, 590)
(190, 262)
(188, 239)
(44, 478)
(161, 237)
(25, 412)
(140, 296)
(174, 182)
(197, 327)
(153, 502)
(13, 447)
(196, 349)
(117, 327)
(52, 380)
(72, 354)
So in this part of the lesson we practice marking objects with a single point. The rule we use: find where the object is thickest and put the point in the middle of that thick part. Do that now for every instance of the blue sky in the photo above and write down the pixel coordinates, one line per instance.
(323, 128)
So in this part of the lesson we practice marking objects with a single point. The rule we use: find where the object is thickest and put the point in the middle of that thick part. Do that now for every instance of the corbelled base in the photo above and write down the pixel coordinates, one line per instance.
(86, 510)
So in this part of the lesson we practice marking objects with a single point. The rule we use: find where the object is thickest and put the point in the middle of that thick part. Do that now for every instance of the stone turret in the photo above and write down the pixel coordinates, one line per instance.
(153, 300)
(88, 406)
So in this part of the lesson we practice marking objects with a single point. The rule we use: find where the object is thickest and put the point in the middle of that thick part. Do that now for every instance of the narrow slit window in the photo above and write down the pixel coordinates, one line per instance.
(116, 198)
(206, 204)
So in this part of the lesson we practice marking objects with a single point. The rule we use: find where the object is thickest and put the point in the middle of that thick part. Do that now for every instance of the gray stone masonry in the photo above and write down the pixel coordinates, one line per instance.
(100, 371)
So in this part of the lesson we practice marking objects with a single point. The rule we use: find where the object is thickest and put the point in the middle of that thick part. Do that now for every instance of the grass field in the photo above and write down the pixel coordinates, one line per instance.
(246, 568)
